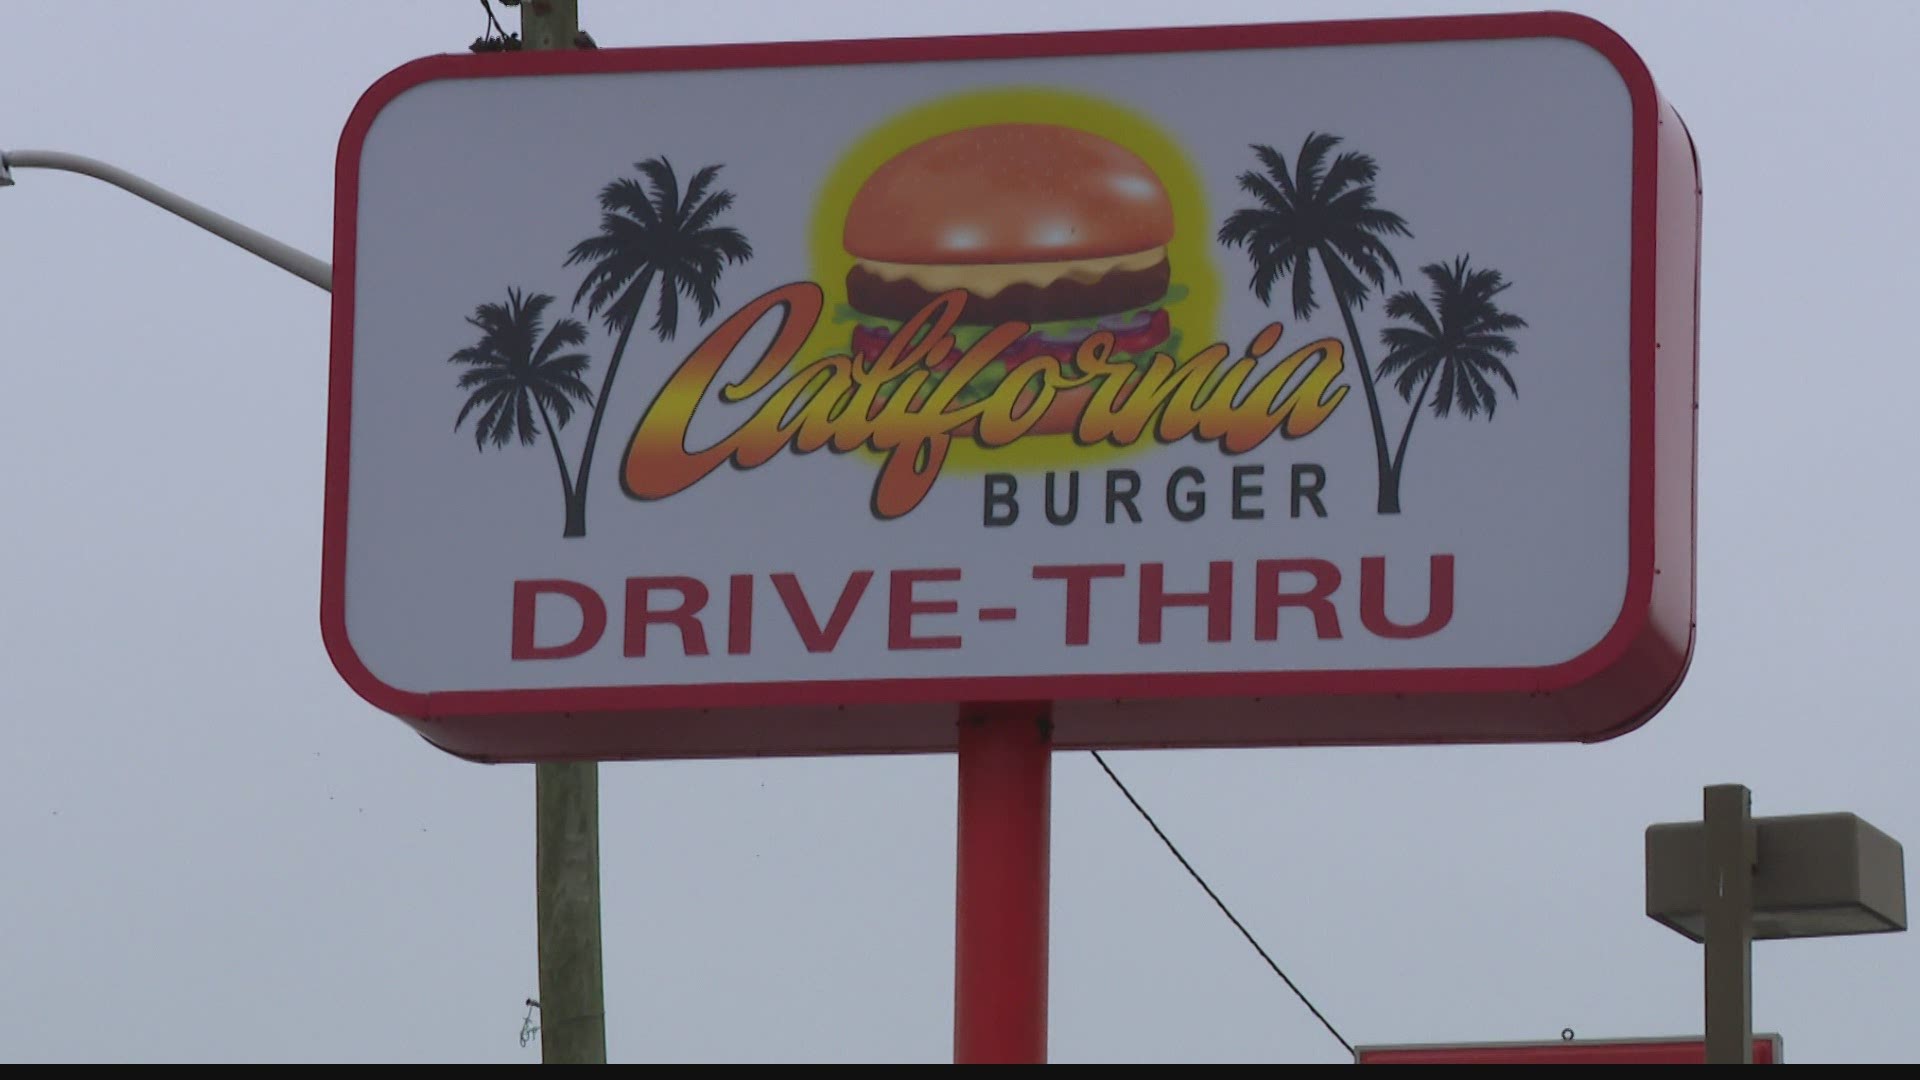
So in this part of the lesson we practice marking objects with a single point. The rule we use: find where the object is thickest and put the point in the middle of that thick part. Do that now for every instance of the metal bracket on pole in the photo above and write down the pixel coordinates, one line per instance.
(284, 256)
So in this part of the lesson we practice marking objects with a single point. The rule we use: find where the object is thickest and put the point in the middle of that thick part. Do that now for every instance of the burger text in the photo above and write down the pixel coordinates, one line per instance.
(1117, 495)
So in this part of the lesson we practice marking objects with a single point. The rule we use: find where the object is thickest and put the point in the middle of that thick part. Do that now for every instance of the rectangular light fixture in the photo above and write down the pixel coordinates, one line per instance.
(1815, 875)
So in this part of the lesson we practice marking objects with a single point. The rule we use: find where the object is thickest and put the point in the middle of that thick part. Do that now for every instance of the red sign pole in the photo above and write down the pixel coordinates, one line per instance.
(1000, 917)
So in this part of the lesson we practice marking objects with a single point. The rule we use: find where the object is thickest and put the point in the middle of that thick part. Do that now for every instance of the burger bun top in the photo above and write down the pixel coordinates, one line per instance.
(1009, 193)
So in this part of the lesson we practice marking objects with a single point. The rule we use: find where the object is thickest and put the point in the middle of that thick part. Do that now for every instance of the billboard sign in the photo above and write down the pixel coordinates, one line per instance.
(1225, 386)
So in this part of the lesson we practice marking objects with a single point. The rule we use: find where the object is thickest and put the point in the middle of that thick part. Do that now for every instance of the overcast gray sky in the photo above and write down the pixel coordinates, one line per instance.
(213, 850)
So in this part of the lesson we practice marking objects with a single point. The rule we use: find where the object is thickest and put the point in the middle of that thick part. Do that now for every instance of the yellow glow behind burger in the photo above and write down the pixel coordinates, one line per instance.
(1188, 253)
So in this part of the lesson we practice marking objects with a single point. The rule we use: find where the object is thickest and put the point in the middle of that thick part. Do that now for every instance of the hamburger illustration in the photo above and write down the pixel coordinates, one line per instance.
(1037, 223)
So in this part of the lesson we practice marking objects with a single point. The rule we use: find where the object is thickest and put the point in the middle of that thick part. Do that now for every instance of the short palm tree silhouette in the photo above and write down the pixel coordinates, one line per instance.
(650, 234)
(516, 371)
(1317, 208)
(1462, 341)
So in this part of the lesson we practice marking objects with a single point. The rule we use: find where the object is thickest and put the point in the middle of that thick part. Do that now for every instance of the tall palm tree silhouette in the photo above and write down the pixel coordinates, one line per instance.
(514, 371)
(1327, 210)
(1460, 341)
(649, 232)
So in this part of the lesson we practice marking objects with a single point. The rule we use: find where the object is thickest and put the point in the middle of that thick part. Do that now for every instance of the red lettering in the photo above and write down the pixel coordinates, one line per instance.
(1373, 598)
(1218, 600)
(1268, 599)
(1079, 581)
(808, 624)
(739, 614)
(902, 606)
(526, 597)
(685, 615)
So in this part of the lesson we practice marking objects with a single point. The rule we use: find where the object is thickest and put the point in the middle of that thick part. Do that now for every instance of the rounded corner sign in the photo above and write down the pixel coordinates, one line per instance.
(781, 398)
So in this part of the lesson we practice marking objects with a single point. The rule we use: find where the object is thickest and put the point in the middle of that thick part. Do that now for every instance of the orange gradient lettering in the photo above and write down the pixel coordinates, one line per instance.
(840, 403)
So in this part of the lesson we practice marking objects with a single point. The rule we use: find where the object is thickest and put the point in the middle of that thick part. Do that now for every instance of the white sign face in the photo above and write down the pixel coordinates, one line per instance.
(1237, 363)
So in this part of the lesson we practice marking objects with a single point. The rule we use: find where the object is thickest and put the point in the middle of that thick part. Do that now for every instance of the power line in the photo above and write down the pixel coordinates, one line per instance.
(1221, 904)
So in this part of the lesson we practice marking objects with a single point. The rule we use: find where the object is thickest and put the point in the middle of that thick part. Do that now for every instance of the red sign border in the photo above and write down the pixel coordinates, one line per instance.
(1605, 692)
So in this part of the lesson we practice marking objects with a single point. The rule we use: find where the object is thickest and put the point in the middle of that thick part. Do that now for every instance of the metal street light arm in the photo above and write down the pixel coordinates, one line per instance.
(284, 256)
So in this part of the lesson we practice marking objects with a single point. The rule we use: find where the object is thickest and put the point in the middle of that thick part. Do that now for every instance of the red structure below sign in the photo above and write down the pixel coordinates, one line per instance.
(1679, 1051)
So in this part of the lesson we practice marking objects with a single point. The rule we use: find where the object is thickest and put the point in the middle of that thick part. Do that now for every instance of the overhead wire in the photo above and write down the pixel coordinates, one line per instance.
(1222, 904)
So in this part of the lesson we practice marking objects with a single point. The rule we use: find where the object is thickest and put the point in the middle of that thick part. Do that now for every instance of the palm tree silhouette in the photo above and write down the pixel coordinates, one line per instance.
(1326, 210)
(649, 232)
(514, 371)
(1460, 341)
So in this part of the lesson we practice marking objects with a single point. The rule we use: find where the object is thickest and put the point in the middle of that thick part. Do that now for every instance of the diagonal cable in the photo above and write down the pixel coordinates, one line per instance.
(1221, 904)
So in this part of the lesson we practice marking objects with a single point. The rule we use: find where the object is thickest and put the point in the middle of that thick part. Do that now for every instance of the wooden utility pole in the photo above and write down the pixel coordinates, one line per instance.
(573, 1020)
(549, 24)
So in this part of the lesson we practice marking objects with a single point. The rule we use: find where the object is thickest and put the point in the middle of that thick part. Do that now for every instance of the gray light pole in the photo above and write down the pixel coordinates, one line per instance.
(1727, 819)
(284, 256)
(573, 1026)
